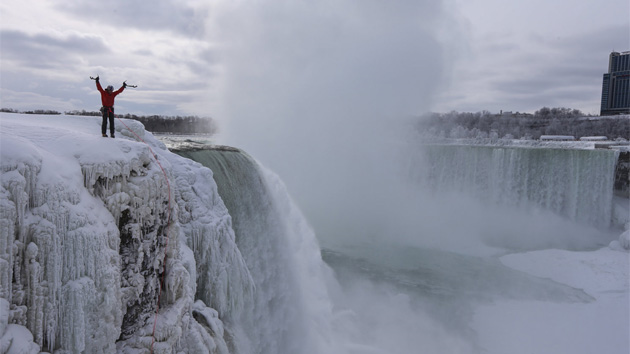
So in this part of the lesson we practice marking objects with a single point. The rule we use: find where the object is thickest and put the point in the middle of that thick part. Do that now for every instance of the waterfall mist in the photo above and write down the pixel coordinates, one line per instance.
(315, 92)
(321, 94)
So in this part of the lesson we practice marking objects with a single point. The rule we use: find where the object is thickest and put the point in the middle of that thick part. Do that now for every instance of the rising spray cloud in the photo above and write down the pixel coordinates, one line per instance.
(315, 90)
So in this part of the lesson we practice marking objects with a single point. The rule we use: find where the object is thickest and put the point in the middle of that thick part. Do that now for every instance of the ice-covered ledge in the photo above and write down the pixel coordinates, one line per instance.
(83, 231)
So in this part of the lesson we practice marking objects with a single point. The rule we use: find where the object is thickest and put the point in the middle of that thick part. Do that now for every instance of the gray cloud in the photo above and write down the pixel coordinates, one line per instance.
(45, 51)
(537, 71)
(161, 15)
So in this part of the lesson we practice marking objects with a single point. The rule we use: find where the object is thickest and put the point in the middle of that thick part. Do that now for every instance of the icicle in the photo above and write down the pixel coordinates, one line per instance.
(8, 217)
(35, 300)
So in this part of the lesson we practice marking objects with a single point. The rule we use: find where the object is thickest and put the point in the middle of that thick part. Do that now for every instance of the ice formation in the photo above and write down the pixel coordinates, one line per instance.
(87, 224)
(83, 234)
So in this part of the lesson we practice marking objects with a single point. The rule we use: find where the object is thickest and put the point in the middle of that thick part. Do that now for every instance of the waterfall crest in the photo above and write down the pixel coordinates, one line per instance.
(576, 184)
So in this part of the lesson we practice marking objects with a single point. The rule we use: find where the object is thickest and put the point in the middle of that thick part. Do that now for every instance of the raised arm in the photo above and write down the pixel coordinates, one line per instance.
(98, 86)
(121, 89)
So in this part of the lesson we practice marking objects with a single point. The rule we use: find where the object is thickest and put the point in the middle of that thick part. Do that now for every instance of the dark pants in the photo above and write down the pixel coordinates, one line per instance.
(108, 112)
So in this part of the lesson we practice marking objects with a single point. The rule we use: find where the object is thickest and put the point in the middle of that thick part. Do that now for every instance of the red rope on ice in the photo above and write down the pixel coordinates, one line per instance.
(168, 222)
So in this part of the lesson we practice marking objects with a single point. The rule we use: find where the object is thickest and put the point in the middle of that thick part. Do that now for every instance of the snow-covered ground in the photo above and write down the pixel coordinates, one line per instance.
(599, 326)
(543, 144)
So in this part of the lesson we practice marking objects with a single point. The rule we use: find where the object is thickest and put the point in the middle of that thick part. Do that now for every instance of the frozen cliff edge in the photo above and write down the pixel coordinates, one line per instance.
(83, 231)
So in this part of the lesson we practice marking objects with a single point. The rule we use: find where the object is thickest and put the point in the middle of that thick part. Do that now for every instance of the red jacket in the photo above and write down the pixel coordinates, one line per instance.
(107, 98)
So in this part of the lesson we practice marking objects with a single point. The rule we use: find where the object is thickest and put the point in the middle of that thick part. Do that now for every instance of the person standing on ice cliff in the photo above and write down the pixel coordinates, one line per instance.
(107, 98)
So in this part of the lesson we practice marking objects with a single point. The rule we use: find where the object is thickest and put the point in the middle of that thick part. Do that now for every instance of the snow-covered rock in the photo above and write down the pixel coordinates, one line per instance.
(623, 243)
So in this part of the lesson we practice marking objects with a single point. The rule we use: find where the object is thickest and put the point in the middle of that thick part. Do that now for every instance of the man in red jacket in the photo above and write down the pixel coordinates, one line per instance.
(107, 98)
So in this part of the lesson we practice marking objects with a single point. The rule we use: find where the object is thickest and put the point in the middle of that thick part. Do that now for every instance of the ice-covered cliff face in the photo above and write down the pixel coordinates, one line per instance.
(83, 231)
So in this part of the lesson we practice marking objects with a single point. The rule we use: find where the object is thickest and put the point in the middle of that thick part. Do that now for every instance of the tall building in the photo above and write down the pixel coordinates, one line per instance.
(616, 85)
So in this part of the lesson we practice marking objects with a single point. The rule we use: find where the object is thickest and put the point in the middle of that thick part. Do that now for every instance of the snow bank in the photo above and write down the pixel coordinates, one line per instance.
(84, 227)
(557, 137)
(594, 138)
(549, 327)
(623, 243)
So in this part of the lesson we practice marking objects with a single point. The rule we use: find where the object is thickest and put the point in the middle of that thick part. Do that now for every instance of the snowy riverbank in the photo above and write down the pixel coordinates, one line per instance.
(546, 327)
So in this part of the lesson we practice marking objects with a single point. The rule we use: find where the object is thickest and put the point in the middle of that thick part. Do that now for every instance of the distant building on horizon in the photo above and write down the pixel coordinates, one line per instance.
(616, 85)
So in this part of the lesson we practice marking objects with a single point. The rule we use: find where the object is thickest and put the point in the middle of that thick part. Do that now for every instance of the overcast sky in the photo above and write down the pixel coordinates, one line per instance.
(229, 58)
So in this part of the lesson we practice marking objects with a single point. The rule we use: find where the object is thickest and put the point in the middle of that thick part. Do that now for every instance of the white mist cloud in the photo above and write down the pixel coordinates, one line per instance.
(312, 88)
